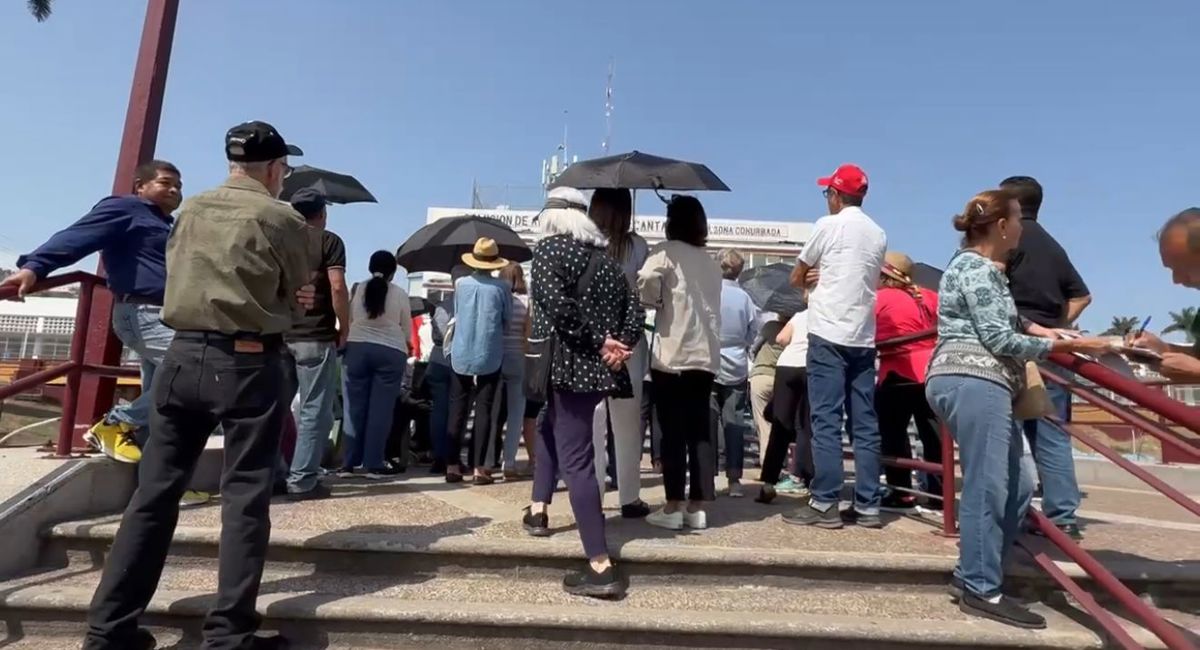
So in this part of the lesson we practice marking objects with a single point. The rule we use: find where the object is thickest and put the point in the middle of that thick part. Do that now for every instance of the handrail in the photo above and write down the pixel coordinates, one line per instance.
(1131, 389)
(9, 292)
(1085, 599)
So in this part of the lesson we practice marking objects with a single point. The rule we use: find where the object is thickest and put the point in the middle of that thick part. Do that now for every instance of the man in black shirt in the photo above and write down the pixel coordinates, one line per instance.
(314, 341)
(1049, 292)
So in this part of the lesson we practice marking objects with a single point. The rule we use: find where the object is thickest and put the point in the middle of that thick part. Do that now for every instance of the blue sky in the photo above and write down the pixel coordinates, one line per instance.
(937, 100)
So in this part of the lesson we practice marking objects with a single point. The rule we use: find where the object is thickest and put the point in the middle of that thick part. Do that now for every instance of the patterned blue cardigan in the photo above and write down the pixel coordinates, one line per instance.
(979, 334)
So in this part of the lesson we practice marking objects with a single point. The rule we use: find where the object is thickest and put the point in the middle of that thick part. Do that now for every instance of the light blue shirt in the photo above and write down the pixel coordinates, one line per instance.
(739, 328)
(482, 309)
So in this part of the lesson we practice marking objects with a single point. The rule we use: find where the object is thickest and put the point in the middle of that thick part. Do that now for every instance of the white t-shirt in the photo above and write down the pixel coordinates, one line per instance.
(848, 249)
(392, 328)
(795, 354)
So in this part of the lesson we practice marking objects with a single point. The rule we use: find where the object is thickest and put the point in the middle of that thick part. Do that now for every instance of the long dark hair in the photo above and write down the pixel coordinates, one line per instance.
(514, 275)
(686, 221)
(612, 210)
(382, 267)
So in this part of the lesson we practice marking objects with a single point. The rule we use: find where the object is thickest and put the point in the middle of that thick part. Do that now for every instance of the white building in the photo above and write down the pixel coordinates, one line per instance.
(761, 242)
(39, 328)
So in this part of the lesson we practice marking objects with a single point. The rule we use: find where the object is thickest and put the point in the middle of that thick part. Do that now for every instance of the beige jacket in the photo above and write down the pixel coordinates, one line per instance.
(683, 283)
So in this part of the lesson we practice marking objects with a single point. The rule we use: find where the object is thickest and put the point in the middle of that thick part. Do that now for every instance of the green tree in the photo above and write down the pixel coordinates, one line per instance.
(1182, 321)
(40, 9)
(1121, 326)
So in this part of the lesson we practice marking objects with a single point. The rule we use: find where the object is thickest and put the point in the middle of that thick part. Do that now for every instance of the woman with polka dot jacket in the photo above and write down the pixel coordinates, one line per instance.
(582, 296)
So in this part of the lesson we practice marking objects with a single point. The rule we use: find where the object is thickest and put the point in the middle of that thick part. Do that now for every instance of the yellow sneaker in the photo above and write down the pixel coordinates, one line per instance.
(114, 441)
(193, 498)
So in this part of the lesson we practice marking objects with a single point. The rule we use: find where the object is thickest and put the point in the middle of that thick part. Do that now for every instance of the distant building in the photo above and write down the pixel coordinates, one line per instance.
(41, 327)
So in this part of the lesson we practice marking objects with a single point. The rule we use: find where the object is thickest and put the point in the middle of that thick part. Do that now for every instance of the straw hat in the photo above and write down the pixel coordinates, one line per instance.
(486, 256)
(898, 266)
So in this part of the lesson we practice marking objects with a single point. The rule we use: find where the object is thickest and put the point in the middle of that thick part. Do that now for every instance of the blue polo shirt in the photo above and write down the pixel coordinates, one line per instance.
(130, 234)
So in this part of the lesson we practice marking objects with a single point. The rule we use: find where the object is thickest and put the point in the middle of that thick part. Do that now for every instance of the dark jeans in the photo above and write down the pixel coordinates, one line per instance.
(374, 377)
(565, 448)
(841, 379)
(482, 390)
(205, 380)
(437, 382)
(687, 444)
(789, 423)
(725, 422)
(898, 400)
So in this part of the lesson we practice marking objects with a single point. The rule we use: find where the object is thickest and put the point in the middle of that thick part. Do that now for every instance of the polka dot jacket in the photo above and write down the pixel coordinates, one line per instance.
(609, 308)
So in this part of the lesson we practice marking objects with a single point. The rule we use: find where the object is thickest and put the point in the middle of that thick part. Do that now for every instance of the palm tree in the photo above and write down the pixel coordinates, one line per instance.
(1121, 326)
(1183, 321)
(40, 9)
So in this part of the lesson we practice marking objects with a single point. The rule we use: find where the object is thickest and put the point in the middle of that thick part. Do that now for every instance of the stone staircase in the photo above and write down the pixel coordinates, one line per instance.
(461, 573)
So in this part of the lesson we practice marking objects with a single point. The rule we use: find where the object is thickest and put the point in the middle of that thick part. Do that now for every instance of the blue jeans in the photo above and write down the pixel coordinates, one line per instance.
(725, 422)
(513, 374)
(374, 376)
(437, 380)
(316, 377)
(994, 498)
(842, 379)
(1052, 454)
(140, 330)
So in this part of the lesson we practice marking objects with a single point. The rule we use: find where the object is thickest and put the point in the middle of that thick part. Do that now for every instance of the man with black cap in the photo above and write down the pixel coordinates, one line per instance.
(314, 341)
(237, 266)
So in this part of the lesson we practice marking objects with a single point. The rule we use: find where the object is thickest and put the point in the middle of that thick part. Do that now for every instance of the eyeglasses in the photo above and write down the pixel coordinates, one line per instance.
(287, 169)
(827, 192)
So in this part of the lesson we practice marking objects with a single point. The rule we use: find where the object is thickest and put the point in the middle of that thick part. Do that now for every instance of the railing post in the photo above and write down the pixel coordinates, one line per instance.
(66, 429)
(949, 485)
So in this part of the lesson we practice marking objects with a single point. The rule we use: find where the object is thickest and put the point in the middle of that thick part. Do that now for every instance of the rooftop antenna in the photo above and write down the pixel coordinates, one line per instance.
(608, 107)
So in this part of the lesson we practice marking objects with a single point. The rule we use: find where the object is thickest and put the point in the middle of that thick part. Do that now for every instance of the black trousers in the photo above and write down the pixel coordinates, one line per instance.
(790, 422)
(688, 453)
(205, 379)
(482, 392)
(898, 400)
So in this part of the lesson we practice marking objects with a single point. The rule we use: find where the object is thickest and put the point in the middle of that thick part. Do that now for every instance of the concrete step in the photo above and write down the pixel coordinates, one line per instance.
(532, 611)
(1174, 585)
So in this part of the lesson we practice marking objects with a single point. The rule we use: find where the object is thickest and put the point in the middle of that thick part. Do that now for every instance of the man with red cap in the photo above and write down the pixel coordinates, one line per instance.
(840, 263)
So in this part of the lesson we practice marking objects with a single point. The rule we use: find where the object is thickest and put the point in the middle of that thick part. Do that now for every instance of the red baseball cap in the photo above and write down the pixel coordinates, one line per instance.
(847, 179)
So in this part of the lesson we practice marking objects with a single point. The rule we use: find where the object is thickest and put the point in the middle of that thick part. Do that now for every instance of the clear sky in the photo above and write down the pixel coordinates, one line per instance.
(937, 100)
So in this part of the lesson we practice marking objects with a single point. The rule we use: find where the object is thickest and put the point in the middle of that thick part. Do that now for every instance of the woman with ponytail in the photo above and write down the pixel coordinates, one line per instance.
(902, 309)
(375, 363)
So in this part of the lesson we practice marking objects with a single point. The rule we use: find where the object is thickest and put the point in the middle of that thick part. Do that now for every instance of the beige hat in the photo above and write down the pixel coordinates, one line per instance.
(486, 256)
(898, 266)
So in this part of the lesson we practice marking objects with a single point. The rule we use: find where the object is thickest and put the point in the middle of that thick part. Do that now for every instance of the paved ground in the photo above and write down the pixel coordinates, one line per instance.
(21, 467)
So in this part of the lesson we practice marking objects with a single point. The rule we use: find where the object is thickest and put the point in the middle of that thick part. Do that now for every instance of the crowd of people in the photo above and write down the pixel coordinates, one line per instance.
(240, 311)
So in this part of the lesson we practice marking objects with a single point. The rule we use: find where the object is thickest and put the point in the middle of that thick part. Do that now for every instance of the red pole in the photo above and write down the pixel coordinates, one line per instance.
(1133, 390)
(95, 394)
(66, 427)
(949, 485)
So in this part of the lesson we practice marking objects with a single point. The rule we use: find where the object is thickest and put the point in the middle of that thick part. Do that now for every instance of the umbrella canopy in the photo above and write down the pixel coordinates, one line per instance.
(770, 287)
(440, 245)
(419, 306)
(337, 188)
(926, 276)
(636, 170)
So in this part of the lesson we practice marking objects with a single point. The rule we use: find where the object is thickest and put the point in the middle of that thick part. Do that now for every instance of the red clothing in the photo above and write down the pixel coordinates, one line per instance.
(414, 340)
(897, 313)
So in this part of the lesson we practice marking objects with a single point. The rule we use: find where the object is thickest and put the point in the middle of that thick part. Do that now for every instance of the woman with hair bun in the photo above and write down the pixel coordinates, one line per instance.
(976, 372)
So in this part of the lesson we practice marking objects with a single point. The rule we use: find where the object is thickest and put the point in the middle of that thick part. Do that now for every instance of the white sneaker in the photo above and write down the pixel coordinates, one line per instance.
(695, 520)
(662, 519)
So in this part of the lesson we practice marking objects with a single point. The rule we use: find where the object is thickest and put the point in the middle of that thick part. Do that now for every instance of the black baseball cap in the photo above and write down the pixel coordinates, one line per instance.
(257, 141)
(308, 202)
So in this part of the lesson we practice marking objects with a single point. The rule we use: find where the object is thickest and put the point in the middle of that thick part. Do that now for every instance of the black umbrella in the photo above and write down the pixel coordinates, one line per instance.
(636, 170)
(770, 287)
(337, 188)
(418, 306)
(440, 245)
(926, 276)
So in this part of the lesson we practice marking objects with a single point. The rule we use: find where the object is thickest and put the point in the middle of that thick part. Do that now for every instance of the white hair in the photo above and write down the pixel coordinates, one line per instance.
(257, 168)
(566, 214)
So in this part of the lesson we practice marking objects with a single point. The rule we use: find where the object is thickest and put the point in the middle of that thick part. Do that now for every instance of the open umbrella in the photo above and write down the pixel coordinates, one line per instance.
(926, 276)
(418, 306)
(337, 188)
(636, 170)
(770, 287)
(440, 245)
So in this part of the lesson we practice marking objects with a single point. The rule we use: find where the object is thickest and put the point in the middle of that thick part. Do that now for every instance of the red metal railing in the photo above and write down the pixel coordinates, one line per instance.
(74, 369)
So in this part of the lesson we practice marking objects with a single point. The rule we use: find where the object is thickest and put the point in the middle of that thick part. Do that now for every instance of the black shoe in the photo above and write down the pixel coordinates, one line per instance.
(1070, 530)
(955, 589)
(438, 467)
(857, 518)
(636, 510)
(385, 472)
(536, 525)
(1006, 611)
(454, 478)
(142, 639)
(481, 480)
(899, 503)
(276, 642)
(607, 584)
(767, 494)
(319, 492)
(807, 515)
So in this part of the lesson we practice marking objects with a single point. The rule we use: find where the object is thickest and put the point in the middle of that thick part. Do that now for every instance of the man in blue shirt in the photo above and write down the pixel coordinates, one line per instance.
(482, 309)
(739, 329)
(130, 232)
